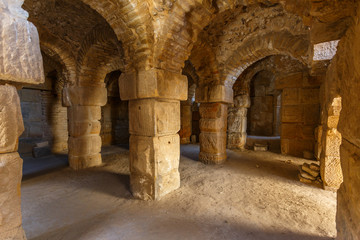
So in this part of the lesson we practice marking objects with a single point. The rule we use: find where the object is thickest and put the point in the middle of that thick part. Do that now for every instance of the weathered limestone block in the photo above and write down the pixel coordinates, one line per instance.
(84, 96)
(330, 167)
(292, 114)
(348, 196)
(154, 163)
(186, 123)
(21, 59)
(153, 83)
(242, 101)
(213, 94)
(236, 140)
(291, 81)
(84, 141)
(291, 96)
(152, 117)
(11, 122)
(213, 132)
(237, 120)
(10, 201)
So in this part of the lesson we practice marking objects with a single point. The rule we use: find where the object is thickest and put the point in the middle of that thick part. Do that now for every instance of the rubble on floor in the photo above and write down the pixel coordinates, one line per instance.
(310, 173)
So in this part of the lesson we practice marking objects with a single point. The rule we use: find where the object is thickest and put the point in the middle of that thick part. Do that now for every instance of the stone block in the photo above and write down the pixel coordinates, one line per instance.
(86, 145)
(237, 120)
(214, 94)
(78, 129)
(290, 96)
(290, 130)
(30, 95)
(41, 152)
(236, 140)
(213, 110)
(310, 95)
(84, 113)
(213, 125)
(10, 196)
(213, 143)
(332, 121)
(211, 158)
(21, 59)
(242, 101)
(86, 161)
(11, 122)
(292, 114)
(84, 96)
(154, 161)
(311, 114)
(151, 117)
(290, 81)
(153, 83)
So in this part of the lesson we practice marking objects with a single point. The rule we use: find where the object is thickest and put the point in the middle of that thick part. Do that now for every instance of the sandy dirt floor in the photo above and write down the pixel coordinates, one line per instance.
(254, 195)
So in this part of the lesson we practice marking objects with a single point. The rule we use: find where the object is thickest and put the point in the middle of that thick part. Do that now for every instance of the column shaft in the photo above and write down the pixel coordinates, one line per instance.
(84, 140)
(186, 123)
(11, 127)
(213, 126)
(154, 147)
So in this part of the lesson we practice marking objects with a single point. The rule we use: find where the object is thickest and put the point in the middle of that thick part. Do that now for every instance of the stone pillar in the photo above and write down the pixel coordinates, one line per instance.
(20, 63)
(213, 126)
(186, 122)
(11, 127)
(84, 112)
(154, 115)
(237, 122)
(213, 123)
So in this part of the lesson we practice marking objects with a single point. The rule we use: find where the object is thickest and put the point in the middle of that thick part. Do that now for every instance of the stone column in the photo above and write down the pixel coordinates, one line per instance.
(11, 127)
(186, 122)
(84, 112)
(20, 63)
(154, 115)
(213, 123)
(237, 122)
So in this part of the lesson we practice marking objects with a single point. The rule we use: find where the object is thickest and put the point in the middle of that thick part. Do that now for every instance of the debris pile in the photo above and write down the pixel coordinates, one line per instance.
(310, 173)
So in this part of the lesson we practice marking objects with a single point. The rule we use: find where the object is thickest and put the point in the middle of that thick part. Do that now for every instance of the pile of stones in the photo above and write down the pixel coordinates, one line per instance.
(310, 173)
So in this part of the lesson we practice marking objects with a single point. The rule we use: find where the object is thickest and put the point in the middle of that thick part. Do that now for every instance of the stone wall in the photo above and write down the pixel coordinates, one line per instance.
(300, 113)
(115, 122)
(261, 112)
(45, 119)
(343, 80)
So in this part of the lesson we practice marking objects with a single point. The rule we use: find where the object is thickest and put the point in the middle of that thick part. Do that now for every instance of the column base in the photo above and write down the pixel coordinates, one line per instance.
(82, 162)
(211, 158)
(154, 163)
(10, 202)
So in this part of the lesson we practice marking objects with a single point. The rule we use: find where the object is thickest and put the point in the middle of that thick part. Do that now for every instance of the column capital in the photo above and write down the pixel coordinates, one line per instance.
(84, 96)
(153, 83)
(212, 94)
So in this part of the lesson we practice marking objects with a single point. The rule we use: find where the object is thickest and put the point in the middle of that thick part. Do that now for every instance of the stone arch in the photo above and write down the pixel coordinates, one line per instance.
(185, 21)
(131, 22)
(100, 53)
(58, 49)
(253, 50)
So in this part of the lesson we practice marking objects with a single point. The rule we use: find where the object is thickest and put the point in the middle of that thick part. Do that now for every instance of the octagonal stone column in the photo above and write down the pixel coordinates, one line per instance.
(20, 63)
(213, 123)
(84, 112)
(154, 114)
(237, 122)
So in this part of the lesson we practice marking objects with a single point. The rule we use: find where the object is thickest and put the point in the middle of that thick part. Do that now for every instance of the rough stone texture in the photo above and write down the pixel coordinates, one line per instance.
(84, 96)
(300, 114)
(154, 163)
(21, 59)
(11, 122)
(152, 117)
(186, 122)
(10, 206)
(154, 83)
(84, 141)
(237, 125)
(213, 126)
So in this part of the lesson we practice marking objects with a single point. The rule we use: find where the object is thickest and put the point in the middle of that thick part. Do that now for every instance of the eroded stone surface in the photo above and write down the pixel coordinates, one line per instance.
(11, 122)
(20, 49)
(10, 205)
